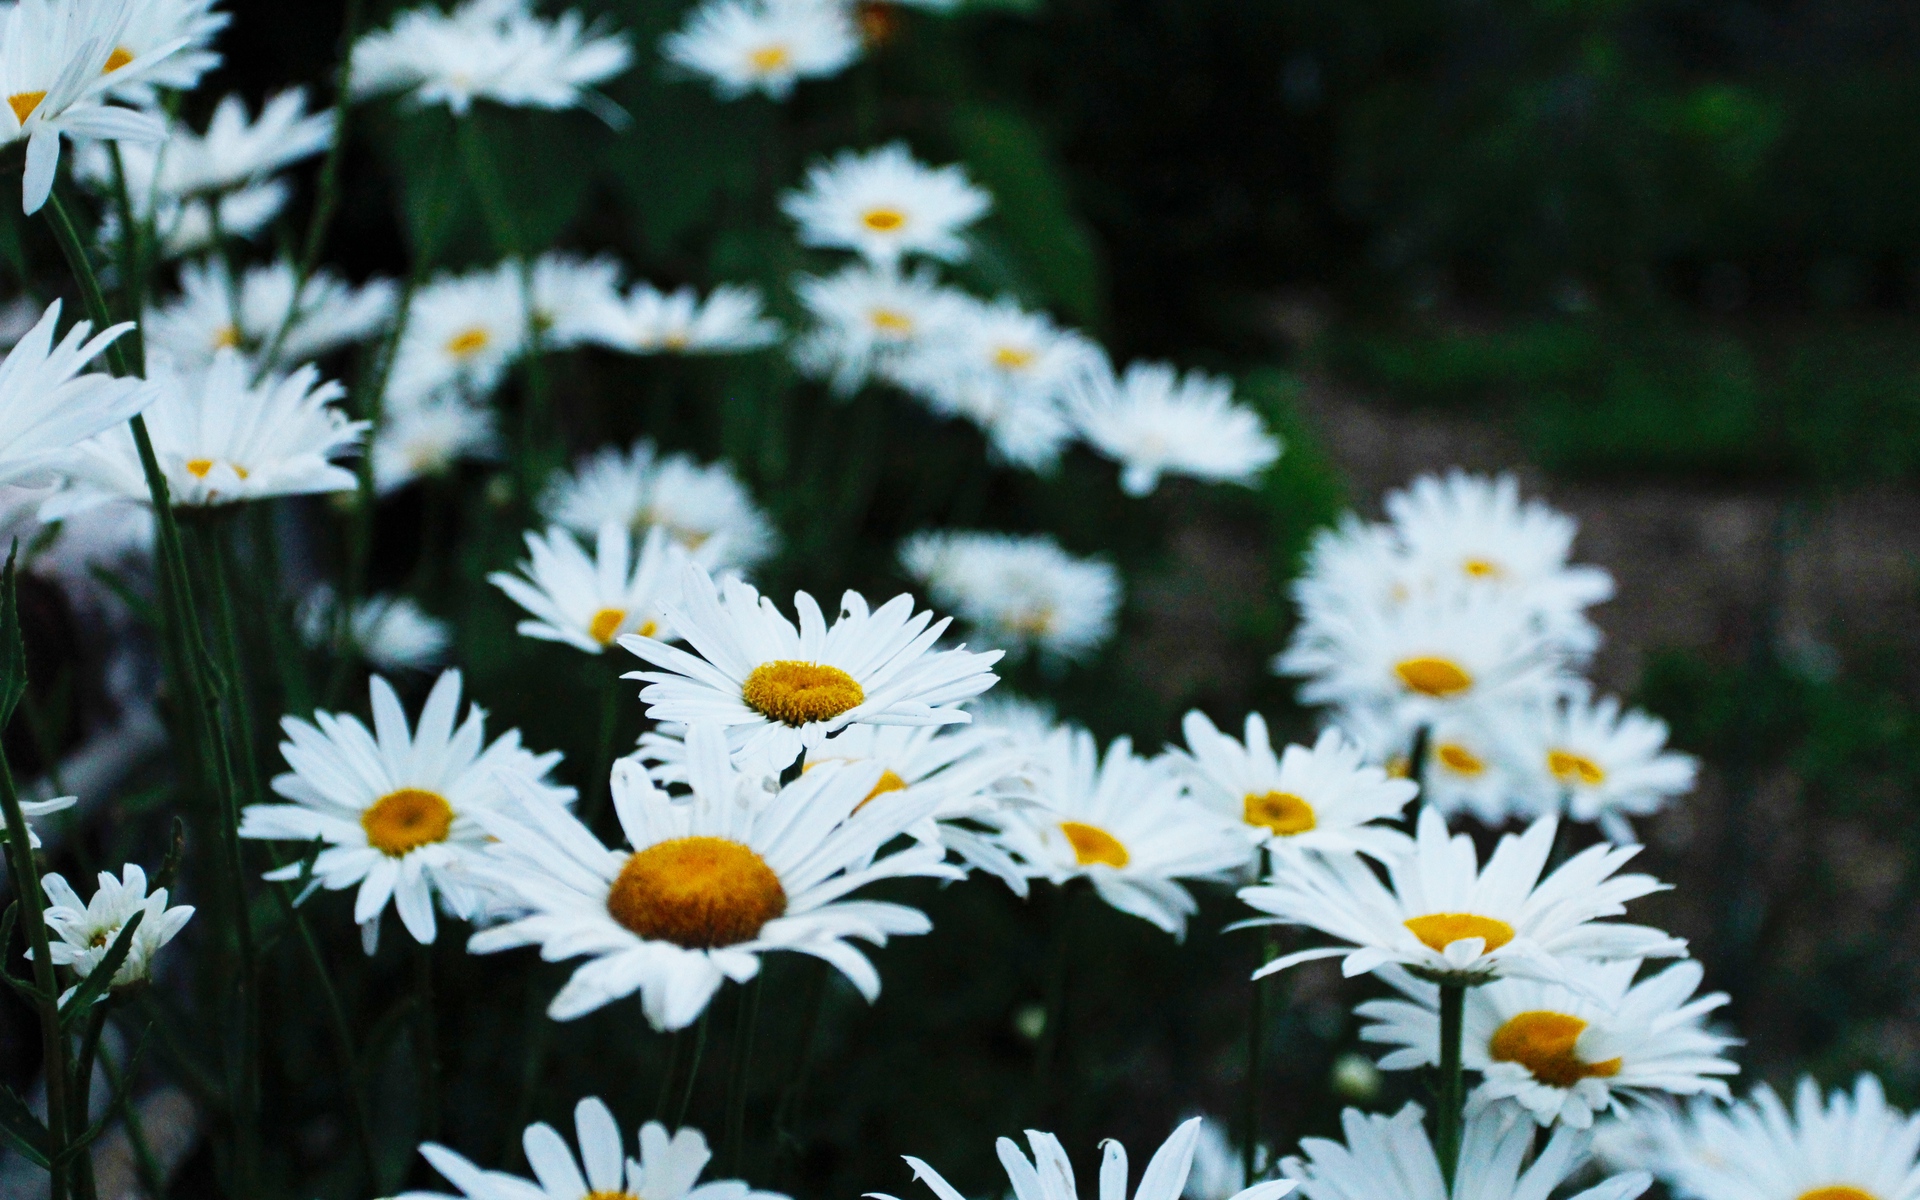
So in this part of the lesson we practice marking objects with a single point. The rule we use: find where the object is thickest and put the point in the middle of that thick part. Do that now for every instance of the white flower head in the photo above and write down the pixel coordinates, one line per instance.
(767, 46)
(1154, 422)
(87, 930)
(152, 27)
(866, 319)
(1325, 798)
(204, 319)
(704, 507)
(1048, 1175)
(397, 807)
(1018, 593)
(1597, 763)
(427, 437)
(462, 332)
(38, 808)
(571, 296)
(886, 205)
(391, 632)
(1441, 914)
(184, 227)
(48, 407)
(1469, 763)
(649, 321)
(495, 50)
(712, 881)
(590, 603)
(778, 688)
(1567, 1054)
(236, 151)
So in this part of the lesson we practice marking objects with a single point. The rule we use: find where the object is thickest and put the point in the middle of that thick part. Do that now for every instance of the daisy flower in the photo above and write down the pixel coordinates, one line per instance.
(711, 882)
(221, 438)
(38, 808)
(462, 331)
(571, 296)
(1324, 799)
(649, 321)
(1018, 593)
(668, 1167)
(201, 321)
(865, 319)
(236, 151)
(47, 406)
(590, 603)
(1390, 1158)
(1440, 914)
(1567, 1054)
(1595, 763)
(391, 632)
(1048, 1175)
(87, 929)
(885, 205)
(778, 688)
(1126, 825)
(494, 50)
(1154, 421)
(425, 438)
(704, 507)
(398, 808)
(1469, 764)
(153, 26)
(767, 46)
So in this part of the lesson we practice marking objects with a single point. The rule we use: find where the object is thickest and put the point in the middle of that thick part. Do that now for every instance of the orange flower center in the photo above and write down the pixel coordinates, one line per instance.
(1437, 931)
(1458, 759)
(120, 57)
(200, 467)
(605, 624)
(887, 321)
(889, 782)
(1571, 769)
(1013, 358)
(1483, 568)
(883, 220)
(468, 342)
(1543, 1043)
(1837, 1191)
(1283, 812)
(403, 821)
(769, 58)
(1091, 844)
(799, 693)
(23, 104)
(1437, 677)
(697, 892)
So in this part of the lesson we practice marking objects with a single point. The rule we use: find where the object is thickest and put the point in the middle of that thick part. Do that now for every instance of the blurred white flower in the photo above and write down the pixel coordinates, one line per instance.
(494, 50)
(886, 205)
(865, 319)
(742, 46)
(1154, 422)
(590, 603)
(649, 321)
(1049, 1175)
(235, 151)
(184, 227)
(1469, 765)
(462, 332)
(571, 296)
(152, 27)
(1018, 593)
(38, 808)
(1595, 763)
(200, 322)
(425, 438)
(48, 408)
(87, 930)
(704, 507)
(391, 632)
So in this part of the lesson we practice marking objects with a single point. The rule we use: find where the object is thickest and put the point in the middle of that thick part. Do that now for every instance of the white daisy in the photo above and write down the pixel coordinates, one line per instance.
(865, 319)
(886, 205)
(87, 929)
(236, 151)
(1125, 824)
(1390, 1158)
(1566, 1054)
(1018, 593)
(1154, 421)
(221, 438)
(704, 507)
(38, 808)
(202, 320)
(1325, 798)
(1445, 916)
(1595, 763)
(398, 809)
(743, 46)
(1048, 1175)
(668, 1167)
(155, 25)
(1352, 565)
(649, 321)
(494, 50)
(712, 881)
(47, 407)
(1469, 765)
(571, 296)
(391, 632)
(183, 227)
(462, 332)
(425, 438)
(590, 603)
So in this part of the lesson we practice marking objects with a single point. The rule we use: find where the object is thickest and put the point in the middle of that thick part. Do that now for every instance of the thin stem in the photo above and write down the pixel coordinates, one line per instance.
(1052, 1032)
(428, 1044)
(1417, 770)
(743, 1031)
(1453, 1097)
(84, 1187)
(1256, 1063)
(1562, 835)
(693, 1068)
(53, 1046)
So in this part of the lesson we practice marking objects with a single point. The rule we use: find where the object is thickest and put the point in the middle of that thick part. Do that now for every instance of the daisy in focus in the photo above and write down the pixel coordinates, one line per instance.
(87, 929)
(202, 321)
(392, 633)
(765, 46)
(590, 603)
(649, 321)
(703, 507)
(711, 882)
(1123, 823)
(462, 332)
(1567, 1054)
(397, 807)
(47, 406)
(865, 320)
(886, 205)
(1323, 799)
(1443, 917)
(494, 50)
(1018, 593)
(427, 438)
(779, 689)
(1595, 763)
(1156, 422)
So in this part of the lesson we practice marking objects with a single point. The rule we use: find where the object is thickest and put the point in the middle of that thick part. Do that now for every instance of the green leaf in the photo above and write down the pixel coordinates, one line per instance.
(13, 650)
(22, 1128)
(100, 978)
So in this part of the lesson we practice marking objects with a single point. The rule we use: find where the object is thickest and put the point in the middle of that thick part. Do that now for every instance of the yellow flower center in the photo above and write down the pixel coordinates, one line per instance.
(889, 782)
(605, 624)
(610, 1196)
(1570, 768)
(228, 338)
(677, 340)
(1458, 759)
(1283, 812)
(1483, 568)
(883, 220)
(23, 104)
(1542, 1042)
(799, 693)
(1437, 931)
(200, 467)
(1091, 844)
(1013, 358)
(887, 321)
(1034, 622)
(403, 821)
(1837, 1191)
(769, 58)
(697, 892)
(1437, 677)
(468, 342)
(120, 57)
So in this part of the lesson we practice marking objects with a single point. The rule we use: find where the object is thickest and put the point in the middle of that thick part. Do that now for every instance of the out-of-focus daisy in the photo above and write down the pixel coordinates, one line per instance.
(668, 1167)
(1595, 763)
(712, 881)
(886, 205)
(1018, 593)
(571, 296)
(1219, 1171)
(202, 320)
(1439, 913)
(1154, 422)
(1469, 758)
(590, 603)
(767, 46)
(397, 807)
(221, 438)
(425, 438)
(462, 332)
(391, 632)
(236, 151)
(47, 406)
(865, 319)
(1125, 824)
(1325, 798)
(649, 321)
(778, 688)
(494, 50)
(87, 929)
(38, 808)
(152, 27)
(1390, 1158)
(704, 507)
(184, 227)
(1567, 1054)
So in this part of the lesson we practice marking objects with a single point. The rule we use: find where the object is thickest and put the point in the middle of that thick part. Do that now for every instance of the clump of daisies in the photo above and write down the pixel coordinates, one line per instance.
(703, 507)
(1022, 594)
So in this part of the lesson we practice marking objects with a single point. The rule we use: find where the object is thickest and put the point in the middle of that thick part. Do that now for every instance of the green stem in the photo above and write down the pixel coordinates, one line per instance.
(693, 1068)
(53, 1045)
(1256, 1064)
(428, 1045)
(743, 1031)
(84, 1186)
(1453, 1096)
(1417, 770)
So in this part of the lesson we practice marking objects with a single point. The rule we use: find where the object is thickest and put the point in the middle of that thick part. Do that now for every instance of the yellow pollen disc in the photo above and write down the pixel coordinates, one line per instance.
(883, 220)
(227, 339)
(1542, 1042)
(697, 892)
(1838, 1191)
(198, 467)
(1013, 358)
(677, 340)
(610, 1196)
(23, 104)
(1440, 930)
(1437, 677)
(605, 624)
(239, 470)
(1570, 768)
(888, 321)
(769, 58)
(1038, 622)
(100, 939)
(1458, 759)
(648, 628)
(889, 782)
(1092, 844)
(120, 57)
(468, 342)
(1483, 568)
(799, 693)
(1283, 812)
(406, 820)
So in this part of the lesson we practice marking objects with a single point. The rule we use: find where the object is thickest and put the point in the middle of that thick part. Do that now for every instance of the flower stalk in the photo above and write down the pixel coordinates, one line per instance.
(1450, 1119)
